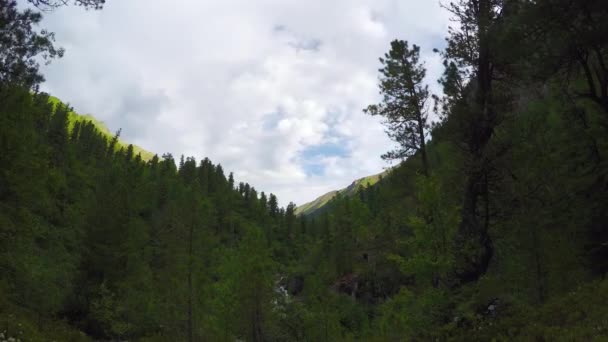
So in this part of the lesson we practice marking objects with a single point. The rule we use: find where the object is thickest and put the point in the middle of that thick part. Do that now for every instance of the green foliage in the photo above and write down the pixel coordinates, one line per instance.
(404, 106)
(413, 316)
(531, 168)
(428, 252)
(25, 325)
(22, 47)
(74, 118)
(99, 238)
(124, 248)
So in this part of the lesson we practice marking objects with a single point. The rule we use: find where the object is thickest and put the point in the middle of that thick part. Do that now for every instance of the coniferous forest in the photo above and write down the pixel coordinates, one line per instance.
(493, 227)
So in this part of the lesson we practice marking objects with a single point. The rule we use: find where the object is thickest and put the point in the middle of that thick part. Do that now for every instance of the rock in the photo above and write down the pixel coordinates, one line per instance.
(295, 285)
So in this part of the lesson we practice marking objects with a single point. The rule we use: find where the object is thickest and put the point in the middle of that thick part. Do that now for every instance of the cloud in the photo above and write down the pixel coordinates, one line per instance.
(272, 90)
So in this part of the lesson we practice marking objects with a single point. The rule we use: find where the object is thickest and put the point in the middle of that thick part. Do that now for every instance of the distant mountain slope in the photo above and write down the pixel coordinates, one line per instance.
(318, 203)
(75, 117)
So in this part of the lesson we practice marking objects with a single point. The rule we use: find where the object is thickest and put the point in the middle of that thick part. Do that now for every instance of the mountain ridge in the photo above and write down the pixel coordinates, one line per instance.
(74, 117)
(319, 202)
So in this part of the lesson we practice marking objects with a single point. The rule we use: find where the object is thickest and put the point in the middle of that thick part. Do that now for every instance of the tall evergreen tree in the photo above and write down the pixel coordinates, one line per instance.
(404, 101)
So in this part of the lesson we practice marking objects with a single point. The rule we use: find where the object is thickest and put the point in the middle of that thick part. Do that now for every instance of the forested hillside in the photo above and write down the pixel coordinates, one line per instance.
(119, 247)
(316, 206)
(494, 226)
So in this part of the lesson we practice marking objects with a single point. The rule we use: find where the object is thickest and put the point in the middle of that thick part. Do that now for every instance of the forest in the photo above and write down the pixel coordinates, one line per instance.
(493, 226)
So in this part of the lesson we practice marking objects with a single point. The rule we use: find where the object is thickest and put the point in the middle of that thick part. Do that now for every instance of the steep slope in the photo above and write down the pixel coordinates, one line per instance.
(317, 203)
(74, 117)
(321, 201)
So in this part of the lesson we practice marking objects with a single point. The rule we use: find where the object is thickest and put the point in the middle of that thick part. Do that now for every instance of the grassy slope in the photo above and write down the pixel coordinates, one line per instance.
(350, 190)
(74, 117)
(316, 204)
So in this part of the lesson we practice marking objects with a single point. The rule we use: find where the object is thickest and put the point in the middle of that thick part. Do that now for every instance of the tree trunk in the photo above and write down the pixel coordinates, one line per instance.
(258, 335)
(425, 163)
(474, 244)
(190, 327)
(473, 239)
(539, 273)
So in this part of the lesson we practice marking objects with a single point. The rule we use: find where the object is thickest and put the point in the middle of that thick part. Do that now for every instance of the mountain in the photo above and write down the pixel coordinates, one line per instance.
(101, 127)
(321, 201)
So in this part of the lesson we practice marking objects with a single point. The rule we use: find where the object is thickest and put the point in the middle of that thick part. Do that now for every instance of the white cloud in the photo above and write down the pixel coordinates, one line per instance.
(250, 84)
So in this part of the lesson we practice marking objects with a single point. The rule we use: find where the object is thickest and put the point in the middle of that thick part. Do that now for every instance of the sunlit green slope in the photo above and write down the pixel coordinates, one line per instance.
(74, 117)
(318, 203)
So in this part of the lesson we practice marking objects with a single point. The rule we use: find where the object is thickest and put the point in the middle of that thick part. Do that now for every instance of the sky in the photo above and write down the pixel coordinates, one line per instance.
(273, 90)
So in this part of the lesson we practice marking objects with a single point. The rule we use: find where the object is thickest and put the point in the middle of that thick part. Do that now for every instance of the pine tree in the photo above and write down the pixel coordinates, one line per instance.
(404, 101)
(290, 220)
(273, 206)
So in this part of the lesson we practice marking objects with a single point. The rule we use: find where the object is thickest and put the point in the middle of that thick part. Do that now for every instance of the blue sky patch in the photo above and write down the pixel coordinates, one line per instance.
(312, 155)
(271, 120)
(325, 150)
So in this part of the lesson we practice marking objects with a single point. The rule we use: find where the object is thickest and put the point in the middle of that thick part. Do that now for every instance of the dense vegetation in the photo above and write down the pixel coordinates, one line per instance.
(494, 229)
